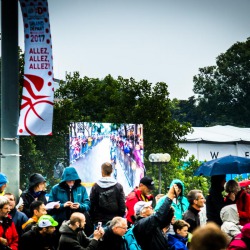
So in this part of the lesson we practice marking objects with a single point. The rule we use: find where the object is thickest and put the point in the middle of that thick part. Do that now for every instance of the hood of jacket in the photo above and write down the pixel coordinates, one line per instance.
(106, 182)
(173, 238)
(230, 214)
(65, 229)
(70, 174)
(177, 181)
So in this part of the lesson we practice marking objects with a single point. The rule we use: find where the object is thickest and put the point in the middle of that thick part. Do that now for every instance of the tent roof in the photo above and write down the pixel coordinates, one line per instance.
(219, 134)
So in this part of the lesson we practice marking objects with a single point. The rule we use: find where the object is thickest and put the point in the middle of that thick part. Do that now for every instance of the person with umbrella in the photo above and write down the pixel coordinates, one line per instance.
(215, 200)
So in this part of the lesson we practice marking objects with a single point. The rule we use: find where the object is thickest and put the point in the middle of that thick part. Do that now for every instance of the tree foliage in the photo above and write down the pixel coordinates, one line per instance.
(115, 101)
(223, 90)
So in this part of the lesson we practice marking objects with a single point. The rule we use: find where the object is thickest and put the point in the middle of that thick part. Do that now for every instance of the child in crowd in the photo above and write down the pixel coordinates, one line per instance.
(178, 241)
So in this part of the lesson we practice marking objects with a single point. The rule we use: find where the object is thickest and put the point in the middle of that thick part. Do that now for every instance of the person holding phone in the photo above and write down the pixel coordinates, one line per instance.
(72, 195)
(149, 225)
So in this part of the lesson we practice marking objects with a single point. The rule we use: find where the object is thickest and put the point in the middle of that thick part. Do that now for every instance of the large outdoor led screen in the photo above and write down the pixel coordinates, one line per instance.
(92, 144)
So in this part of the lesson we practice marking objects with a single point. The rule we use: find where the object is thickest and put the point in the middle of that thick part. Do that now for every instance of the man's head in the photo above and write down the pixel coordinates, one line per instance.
(181, 228)
(106, 169)
(143, 208)
(3, 182)
(196, 199)
(47, 224)
(77, 221)
(12, 200)
(37, 208)
(119, 226)
(4, 206)
(208, 237)
(146, 185)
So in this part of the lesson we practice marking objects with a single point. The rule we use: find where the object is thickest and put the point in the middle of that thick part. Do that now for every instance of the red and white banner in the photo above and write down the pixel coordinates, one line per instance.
(36, 112)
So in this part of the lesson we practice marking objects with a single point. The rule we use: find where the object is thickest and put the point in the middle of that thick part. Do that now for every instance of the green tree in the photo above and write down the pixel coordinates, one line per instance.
(223, 90)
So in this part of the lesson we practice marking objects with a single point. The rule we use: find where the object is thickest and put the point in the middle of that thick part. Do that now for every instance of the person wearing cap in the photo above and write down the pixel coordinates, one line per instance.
(141, 193)
(35, 191)
(3, 183)
(41, 236)
(73, 236)
(72, 195)
(8, 233)
(149, 225)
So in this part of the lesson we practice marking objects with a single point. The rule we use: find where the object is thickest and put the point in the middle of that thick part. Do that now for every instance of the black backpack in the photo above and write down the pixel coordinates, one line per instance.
(108, 200)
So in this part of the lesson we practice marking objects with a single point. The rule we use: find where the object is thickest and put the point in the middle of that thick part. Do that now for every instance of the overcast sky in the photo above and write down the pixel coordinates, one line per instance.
(156, 40)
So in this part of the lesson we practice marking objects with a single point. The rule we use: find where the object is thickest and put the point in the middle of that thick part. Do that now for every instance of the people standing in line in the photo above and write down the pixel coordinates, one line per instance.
(178, 241)
(215, 200)
(19, 218)
(37, 208)
(141, 193)
(72, 235)
(149, 225)
(41, 236)
(8, 233)
(230, 221)
(113, 236)
(237, 195)
(35, 192)
(179, 204)
(107, 197)
(71, 194)
(208, 237)
(3, 183)
(191, 216)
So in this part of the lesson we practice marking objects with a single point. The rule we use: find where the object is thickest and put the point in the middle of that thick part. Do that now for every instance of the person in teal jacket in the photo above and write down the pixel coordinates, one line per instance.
(72, 196)
(180, 204)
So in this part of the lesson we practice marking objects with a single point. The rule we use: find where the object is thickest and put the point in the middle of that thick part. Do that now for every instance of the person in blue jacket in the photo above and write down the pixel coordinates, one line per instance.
(72, 196)
(180, 204)
(178, 241)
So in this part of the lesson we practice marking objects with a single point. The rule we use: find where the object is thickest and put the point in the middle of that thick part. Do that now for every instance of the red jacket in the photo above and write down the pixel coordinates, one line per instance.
(10, 232)
(131, 199)
(242, 201)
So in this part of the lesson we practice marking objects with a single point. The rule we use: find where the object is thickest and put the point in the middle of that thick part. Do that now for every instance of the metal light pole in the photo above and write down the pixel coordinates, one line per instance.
(159, 159)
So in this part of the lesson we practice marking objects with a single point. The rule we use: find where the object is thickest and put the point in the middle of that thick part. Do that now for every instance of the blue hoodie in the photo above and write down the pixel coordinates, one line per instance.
(182, 202)
(177, 242)
(60, 192)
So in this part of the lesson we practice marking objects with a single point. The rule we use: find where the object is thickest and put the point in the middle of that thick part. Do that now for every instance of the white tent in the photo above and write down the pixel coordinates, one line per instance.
(207, 143)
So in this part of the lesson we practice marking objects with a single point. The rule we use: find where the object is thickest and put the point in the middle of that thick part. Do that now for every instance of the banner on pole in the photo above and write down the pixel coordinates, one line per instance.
(36, 112)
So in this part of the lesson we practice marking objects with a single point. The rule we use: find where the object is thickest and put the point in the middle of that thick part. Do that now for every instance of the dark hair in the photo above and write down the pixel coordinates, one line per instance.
(180, 187)
(35, 205)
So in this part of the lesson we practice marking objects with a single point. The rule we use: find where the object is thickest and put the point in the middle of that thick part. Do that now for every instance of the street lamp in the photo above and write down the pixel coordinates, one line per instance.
(159, 159)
